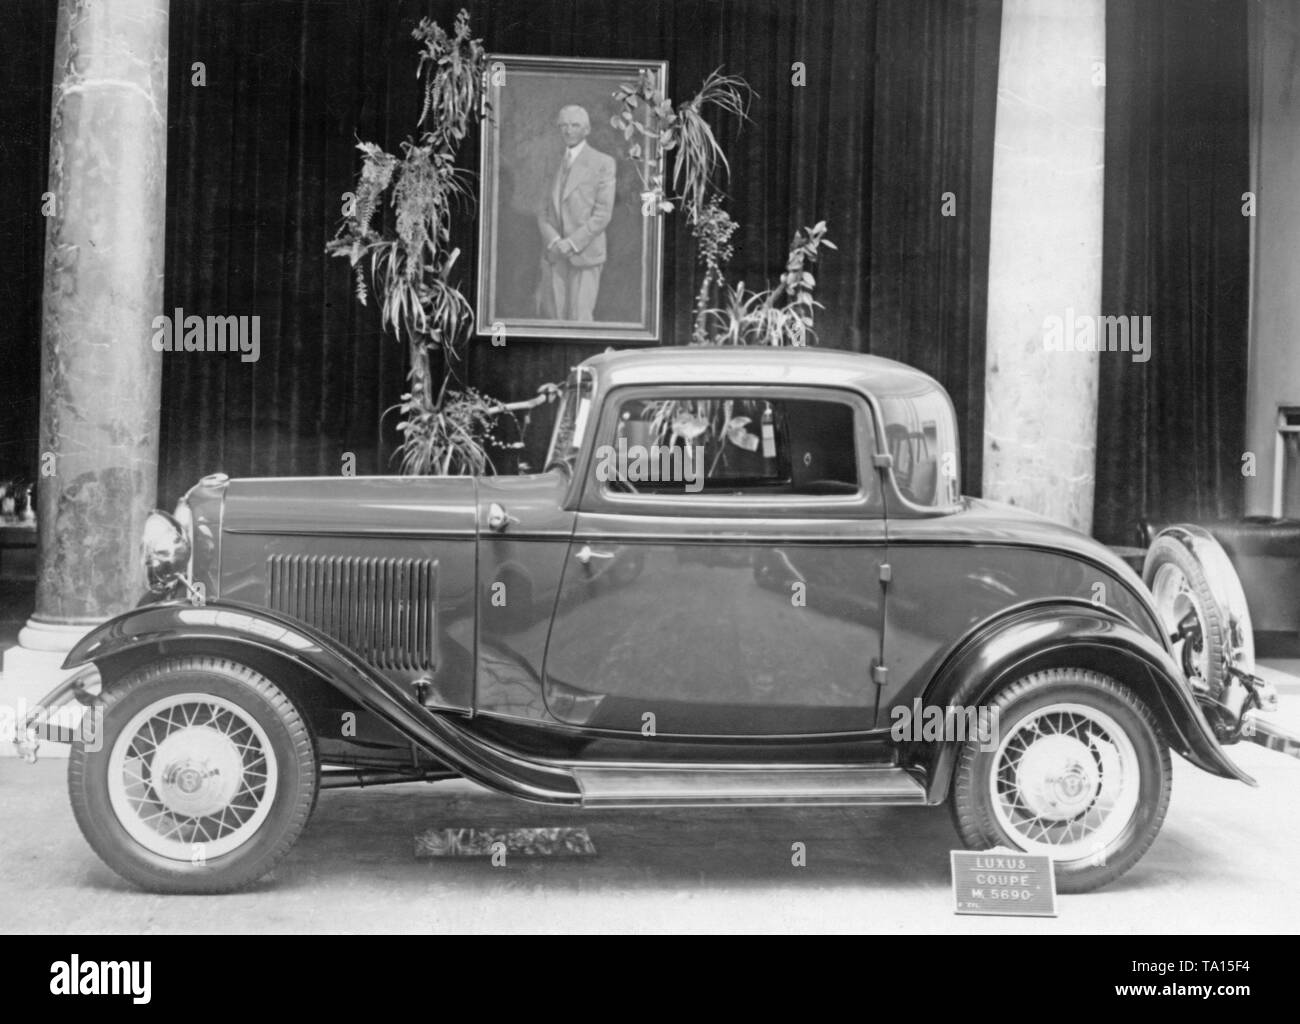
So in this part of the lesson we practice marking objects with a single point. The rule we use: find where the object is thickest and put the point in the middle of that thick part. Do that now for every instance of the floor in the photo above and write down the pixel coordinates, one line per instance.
(1224, 862)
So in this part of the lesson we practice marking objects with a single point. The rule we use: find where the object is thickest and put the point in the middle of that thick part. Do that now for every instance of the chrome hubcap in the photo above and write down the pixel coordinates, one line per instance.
(197, 771)
(1058, 777)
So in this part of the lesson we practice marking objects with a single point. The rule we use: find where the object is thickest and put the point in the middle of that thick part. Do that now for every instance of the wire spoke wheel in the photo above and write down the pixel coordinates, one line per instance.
(1079, 772)
(1065, 782)
(190, 772)
(205, 774)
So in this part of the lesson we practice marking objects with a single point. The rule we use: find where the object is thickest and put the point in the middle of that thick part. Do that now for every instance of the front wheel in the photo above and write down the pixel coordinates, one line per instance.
(203, 776)
(1076, 770)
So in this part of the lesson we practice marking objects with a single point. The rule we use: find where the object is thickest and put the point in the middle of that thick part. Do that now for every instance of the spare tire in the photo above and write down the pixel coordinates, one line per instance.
(1201, 605)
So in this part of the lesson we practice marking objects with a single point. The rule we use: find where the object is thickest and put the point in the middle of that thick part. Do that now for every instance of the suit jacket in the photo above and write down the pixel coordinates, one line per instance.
(584, 210)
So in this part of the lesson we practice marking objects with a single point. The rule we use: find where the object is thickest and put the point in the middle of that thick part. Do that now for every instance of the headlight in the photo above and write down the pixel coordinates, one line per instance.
(166, 550)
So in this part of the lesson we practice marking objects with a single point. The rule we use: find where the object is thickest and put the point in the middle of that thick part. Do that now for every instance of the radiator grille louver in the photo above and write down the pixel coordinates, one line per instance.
(382, 609)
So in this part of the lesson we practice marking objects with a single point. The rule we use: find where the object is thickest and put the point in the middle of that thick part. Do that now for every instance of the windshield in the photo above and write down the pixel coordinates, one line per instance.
(921, 433)
(571, 421)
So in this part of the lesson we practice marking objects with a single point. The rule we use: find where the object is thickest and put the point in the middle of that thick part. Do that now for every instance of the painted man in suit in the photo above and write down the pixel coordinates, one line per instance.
(573, 218)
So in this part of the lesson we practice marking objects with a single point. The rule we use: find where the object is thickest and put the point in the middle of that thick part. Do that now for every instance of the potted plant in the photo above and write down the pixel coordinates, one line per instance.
(446, 426)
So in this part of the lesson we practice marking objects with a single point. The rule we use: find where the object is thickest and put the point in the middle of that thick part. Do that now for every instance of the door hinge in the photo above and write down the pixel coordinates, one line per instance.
(882, 461)
(878, 674)
(886, 572)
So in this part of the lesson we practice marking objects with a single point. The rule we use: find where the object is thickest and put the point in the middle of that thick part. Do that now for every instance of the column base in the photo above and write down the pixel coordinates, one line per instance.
(31, 670)
(55, 637)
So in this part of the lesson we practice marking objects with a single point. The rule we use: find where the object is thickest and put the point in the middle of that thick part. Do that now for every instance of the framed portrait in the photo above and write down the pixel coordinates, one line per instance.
(564, 248)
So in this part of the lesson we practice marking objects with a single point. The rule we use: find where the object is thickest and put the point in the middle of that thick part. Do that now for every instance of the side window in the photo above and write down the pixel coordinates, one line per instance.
(732, 447)
(921, 435)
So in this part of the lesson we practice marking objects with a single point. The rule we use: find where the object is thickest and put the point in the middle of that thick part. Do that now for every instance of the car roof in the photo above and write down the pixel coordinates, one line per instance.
(740, 365)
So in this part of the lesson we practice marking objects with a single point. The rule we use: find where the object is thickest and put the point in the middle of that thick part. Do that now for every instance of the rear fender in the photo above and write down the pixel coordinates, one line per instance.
(1069, 634)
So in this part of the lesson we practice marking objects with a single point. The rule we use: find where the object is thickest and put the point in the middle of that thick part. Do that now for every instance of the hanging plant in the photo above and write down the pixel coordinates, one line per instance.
(409, 255)
(652, 129)
(782, 315)
(449, 436)
(713, 230)
(778, 316)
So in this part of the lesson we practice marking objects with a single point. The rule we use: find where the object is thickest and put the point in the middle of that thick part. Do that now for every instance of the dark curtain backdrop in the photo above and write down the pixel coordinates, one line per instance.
(26, 74)
(1171, 431)
(898, 109)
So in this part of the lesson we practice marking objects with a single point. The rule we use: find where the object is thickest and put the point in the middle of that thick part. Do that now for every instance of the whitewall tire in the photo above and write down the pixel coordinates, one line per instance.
(202, 776)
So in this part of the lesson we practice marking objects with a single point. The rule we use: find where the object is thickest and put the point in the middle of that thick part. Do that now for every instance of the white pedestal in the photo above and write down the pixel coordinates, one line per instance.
(26, 677)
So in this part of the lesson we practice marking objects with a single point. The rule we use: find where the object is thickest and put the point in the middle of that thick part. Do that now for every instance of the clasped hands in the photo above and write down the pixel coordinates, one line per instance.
(560, 250)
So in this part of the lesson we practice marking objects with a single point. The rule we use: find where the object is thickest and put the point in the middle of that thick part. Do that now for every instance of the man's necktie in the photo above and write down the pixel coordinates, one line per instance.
(564, 182)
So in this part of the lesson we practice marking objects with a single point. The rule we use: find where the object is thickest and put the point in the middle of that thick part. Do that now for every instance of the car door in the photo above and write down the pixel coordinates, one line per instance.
(724, 574)
(523, 539)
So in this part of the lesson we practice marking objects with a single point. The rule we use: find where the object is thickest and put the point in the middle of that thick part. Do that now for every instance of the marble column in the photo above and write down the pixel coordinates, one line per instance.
(100, 377)
(1040, 413)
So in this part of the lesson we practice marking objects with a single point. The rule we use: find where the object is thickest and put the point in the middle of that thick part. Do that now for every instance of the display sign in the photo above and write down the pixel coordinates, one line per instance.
(1003, 882)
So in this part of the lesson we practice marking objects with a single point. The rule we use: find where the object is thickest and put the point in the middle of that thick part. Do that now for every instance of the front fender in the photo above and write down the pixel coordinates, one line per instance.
(1072, 633)
(227, 622)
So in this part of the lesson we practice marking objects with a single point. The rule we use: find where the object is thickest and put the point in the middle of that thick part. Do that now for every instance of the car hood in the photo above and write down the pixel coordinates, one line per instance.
(363, 505)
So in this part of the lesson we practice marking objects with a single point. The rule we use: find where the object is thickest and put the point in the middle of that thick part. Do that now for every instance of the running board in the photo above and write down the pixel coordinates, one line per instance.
(745, 787)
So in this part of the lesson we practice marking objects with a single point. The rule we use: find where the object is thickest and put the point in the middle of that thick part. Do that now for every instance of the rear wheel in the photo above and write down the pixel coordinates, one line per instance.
(1077, 771)
(203, 776)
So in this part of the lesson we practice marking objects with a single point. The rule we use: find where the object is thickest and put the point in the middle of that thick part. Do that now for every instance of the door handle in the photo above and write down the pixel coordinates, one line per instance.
(586, 553)
(498, 518)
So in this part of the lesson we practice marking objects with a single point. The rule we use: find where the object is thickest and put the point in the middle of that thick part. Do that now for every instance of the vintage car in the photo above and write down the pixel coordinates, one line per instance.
(744, 577)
